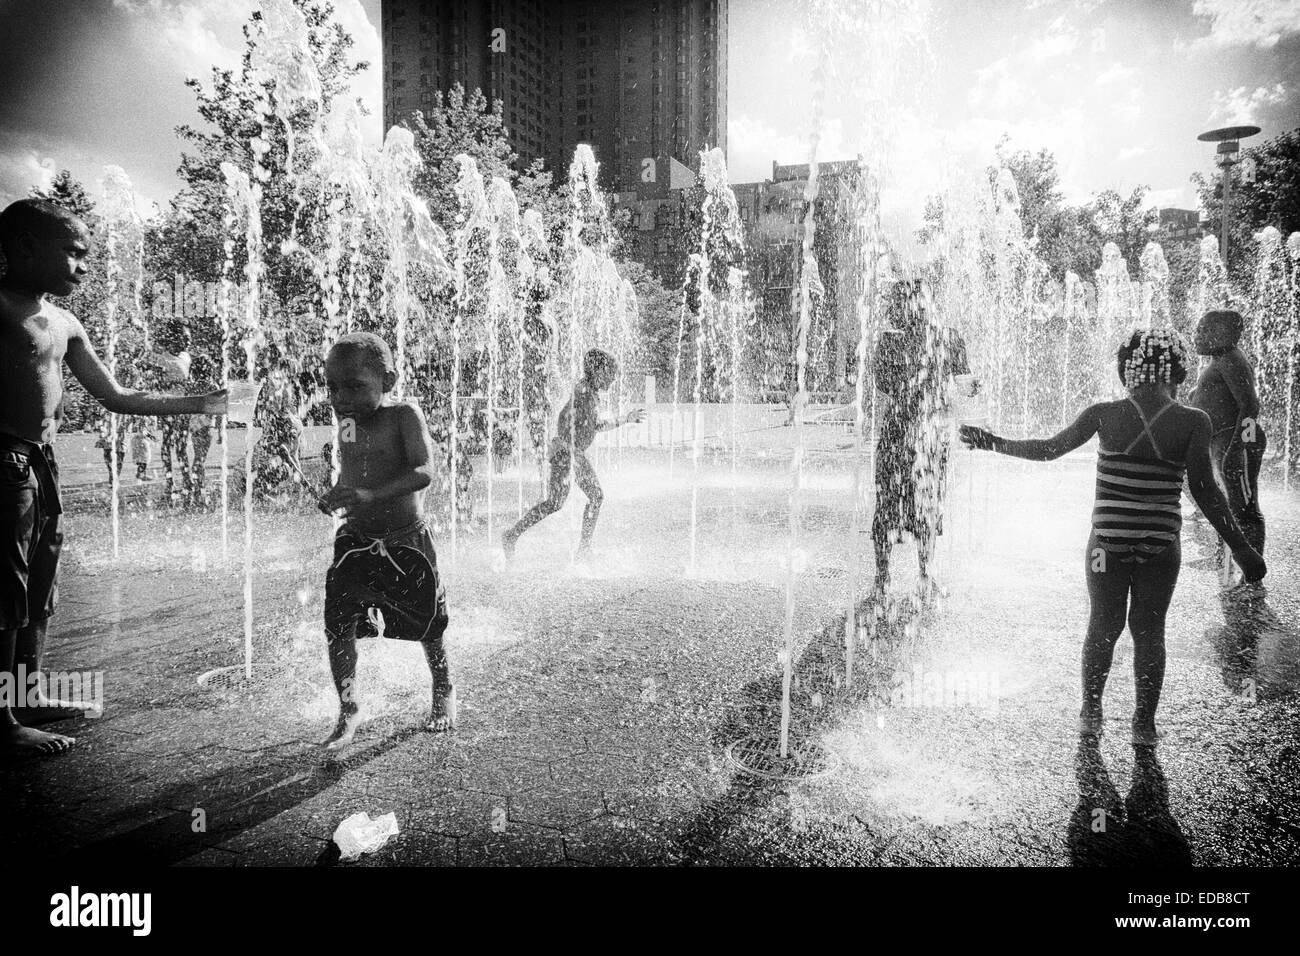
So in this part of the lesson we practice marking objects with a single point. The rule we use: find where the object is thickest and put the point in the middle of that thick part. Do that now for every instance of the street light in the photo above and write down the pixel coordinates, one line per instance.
(1226, 156)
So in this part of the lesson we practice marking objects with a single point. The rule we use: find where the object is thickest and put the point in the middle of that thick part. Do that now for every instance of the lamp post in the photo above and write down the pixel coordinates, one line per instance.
(1226, 156)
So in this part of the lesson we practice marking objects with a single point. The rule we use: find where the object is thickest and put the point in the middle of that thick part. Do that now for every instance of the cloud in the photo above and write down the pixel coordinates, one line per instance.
(200, 34)
(1259, 23)
(1115, 73)
(1177, 197)
(995, 88)
(1242, 105)
(1059, 41)
(752, 144)
(1131, 152)
(366, 47)
(1129, 108)
(195, 34)
(23, 168)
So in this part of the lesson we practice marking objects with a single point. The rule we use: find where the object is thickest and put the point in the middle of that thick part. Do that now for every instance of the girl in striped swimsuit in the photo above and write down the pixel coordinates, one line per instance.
(1146, 443)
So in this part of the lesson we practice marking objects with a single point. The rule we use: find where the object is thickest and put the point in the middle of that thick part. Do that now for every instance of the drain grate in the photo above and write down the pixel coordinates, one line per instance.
(233, 677)
(761, 756)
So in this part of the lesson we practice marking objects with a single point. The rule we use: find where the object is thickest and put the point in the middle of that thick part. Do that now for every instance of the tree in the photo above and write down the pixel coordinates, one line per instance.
(1273, 199)
(1110, 217)
(659, 314)
(459, 122)
(192, 238)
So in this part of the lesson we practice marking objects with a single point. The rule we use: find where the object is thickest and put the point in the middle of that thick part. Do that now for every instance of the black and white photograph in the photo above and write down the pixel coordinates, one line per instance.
(667, 435)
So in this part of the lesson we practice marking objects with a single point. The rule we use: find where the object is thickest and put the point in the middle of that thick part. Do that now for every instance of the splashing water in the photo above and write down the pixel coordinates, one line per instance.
(125, 266)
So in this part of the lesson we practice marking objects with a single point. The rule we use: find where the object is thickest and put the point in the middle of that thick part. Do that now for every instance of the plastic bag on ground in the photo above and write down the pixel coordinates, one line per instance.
(359, 834)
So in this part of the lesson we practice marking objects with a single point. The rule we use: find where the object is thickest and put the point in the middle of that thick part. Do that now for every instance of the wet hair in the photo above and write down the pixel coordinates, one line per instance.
(373, 350)
(37, 217)
(1229, 317)
(1149, 356)
(597, 360)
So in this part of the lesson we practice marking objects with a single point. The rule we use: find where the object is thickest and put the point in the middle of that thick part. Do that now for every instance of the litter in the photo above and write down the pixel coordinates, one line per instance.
(358, 834)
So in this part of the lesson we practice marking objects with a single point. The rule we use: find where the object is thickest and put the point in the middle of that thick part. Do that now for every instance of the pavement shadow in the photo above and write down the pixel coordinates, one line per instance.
(1104, 830)
(234, 799)
(820, 698)
(1257, 653)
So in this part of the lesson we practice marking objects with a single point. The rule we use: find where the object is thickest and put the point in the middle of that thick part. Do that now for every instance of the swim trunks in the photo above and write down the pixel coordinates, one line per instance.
(395, 576)
(32, 532)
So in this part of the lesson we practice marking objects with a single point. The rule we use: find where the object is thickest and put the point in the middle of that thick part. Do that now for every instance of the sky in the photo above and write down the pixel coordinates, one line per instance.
(1117, 89)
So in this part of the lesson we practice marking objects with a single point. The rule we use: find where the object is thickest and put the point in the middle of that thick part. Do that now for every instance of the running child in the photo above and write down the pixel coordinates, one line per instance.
(1147, 441)
(384, 579)
(46, 249)
(576, 429)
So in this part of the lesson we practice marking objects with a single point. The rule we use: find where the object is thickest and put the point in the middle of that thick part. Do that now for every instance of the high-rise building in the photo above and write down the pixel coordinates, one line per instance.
(499, 47)
(639, 80)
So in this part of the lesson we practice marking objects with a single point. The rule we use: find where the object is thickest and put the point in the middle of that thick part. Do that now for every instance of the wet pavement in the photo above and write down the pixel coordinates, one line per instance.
(628, 711)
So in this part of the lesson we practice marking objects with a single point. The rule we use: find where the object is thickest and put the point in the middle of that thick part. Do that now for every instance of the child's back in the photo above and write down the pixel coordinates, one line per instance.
(1150, 427)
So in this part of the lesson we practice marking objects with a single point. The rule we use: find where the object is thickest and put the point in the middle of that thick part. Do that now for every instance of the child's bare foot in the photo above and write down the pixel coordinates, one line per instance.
(443, 714)
(344, 730)
(16, 740)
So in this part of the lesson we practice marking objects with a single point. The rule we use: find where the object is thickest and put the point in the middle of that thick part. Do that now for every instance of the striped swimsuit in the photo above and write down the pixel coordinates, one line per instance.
(1138, 508)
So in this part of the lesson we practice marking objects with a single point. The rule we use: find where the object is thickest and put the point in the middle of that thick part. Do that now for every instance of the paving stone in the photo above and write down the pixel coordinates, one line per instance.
(518, 845)
(462, 813)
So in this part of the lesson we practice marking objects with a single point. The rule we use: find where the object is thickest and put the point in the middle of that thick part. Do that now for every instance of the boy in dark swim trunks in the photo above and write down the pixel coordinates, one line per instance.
(576, 430)
(46, 250)
(384, 580)
(1147, 442)
(1226, 392)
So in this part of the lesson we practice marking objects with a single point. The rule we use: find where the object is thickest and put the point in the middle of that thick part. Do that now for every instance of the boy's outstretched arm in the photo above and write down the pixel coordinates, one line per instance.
(1209, 497)
(100, 383)
(1038, 449)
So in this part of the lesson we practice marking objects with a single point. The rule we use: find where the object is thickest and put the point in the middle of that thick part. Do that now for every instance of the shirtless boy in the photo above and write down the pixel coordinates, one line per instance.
(1226, 392)
(46, 250)
(384, 580)
(575, 431)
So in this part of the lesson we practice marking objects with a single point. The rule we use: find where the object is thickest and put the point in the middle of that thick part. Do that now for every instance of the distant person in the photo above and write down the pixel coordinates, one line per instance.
(46, 249)
(171, 369)
(106, 441)
(1226, 392)
(579, 421)
(141, 448)
(202, 378)
(384, 581)
(1147, 441)
(915, 362)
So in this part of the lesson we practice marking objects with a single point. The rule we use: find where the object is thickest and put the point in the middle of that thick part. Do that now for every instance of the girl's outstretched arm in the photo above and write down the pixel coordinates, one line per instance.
(1039, 449)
